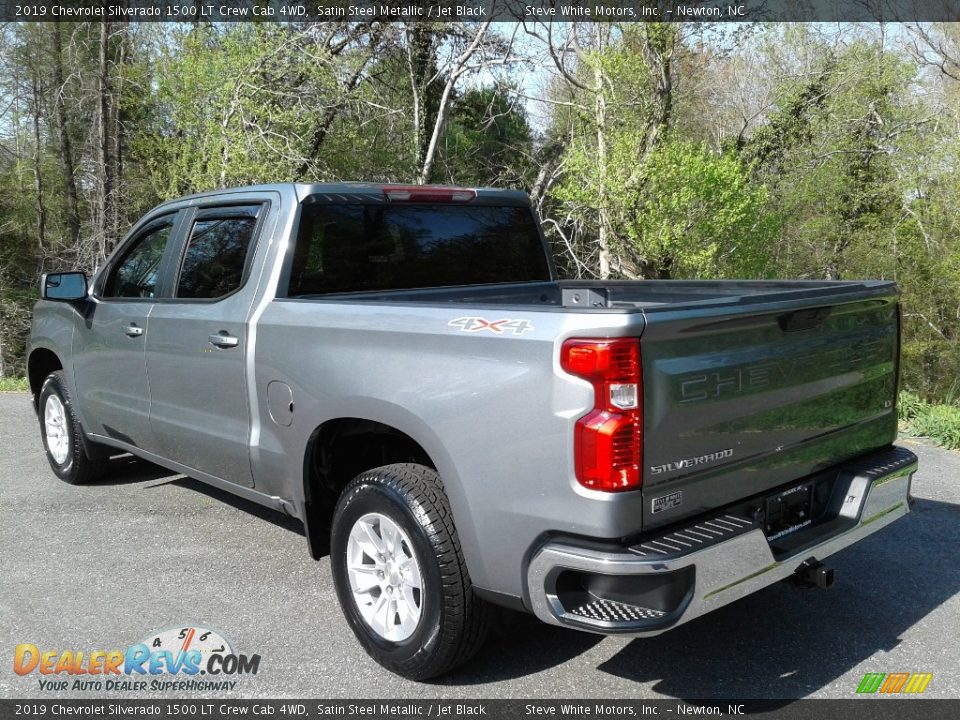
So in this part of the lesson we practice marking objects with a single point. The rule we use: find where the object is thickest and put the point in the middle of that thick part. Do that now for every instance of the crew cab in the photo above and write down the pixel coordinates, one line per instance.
(400, 368)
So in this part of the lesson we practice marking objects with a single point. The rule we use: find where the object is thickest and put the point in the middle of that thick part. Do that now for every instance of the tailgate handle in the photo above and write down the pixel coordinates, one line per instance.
(804, 319)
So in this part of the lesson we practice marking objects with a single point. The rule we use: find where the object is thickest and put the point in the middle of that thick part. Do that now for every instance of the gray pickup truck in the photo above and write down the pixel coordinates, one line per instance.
(399, 368)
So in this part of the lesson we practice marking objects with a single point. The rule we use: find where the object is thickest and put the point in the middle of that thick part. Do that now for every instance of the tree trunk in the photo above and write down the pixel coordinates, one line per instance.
(456, 70)
(104, 163)
(658, 49)
(326, 122)
(116, 172)
(421, 66)
(66, 146)
(550, 156)
(600, 120)
(37, 158)
(426, 171)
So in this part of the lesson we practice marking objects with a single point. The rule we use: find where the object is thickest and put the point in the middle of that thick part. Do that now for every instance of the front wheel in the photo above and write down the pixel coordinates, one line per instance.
(62, 434)
(400, 574)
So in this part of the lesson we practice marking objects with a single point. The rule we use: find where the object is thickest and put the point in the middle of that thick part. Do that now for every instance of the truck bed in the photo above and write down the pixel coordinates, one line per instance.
(627, 295)
(747, 385)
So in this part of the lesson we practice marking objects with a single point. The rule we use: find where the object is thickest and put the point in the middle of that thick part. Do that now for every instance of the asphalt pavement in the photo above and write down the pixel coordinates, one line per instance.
(107, 565)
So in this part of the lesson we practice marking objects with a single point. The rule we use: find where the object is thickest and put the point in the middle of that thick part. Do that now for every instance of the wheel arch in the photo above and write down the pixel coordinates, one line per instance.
(41, 362)
(338, 450)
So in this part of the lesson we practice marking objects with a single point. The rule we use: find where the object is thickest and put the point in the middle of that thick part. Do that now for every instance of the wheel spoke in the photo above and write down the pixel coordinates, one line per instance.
(380, 607)
(411, 574)
(367, 541)
(409, 599)
(372, 537)
(408, 618)
(389, 532)
(363, 578)
(393, 615)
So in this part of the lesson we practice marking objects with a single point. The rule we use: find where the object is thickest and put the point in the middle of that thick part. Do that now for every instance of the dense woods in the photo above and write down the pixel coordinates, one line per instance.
(651, 151)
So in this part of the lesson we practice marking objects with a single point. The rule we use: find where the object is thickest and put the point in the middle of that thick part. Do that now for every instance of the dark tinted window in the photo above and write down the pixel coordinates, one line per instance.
(216, 256)
(137, 274)
(343, 248)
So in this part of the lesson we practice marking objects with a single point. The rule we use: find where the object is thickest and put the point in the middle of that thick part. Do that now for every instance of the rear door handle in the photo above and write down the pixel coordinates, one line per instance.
(133, 331)
(224, 341)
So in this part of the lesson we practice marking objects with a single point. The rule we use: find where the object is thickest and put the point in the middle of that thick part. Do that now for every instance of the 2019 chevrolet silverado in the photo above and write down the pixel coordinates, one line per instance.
(400, 368)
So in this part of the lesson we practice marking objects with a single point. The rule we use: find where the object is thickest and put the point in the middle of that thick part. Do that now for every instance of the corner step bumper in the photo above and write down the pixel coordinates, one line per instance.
(670, 579)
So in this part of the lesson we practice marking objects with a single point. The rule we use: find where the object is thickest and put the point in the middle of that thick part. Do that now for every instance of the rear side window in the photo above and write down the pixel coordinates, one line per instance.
(216, 254)
(344, 248)
(137, 274)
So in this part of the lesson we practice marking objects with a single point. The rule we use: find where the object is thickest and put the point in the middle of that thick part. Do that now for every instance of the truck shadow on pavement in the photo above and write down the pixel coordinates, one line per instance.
(251, 508)
(126, 469)
(782, 642)
(129, 469)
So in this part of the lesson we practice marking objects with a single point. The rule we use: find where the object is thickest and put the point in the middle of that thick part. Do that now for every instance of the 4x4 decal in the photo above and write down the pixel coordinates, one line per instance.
(477, 324)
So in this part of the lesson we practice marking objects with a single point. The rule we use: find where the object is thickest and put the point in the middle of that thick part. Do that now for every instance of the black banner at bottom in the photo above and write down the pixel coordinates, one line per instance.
(194, 709)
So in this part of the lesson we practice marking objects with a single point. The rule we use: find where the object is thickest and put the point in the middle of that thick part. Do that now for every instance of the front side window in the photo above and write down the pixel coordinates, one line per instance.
(137, 274)
(216, 256)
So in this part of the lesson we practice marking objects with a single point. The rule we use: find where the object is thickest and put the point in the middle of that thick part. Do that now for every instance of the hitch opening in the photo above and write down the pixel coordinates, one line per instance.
(813, 573)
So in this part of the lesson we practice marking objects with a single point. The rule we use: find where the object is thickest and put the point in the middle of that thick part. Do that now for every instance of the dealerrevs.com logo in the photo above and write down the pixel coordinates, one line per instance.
(169, 660)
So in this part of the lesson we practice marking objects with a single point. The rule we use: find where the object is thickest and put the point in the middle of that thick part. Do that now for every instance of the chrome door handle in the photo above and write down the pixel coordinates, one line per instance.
(224, 341)
(133, 331)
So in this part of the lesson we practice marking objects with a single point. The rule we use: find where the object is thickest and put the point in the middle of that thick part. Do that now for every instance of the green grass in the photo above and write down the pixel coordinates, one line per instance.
(10, 384)
(938, 423)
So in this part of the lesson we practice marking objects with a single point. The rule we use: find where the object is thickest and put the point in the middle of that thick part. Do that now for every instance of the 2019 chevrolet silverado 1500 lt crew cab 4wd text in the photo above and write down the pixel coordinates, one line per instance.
(400, 368)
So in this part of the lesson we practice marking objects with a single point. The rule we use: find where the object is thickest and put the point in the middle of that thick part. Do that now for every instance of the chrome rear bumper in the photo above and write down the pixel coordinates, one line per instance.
(670, 579)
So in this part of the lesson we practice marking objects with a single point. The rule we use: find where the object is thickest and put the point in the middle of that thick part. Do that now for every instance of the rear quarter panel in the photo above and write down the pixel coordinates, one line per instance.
(493, 410)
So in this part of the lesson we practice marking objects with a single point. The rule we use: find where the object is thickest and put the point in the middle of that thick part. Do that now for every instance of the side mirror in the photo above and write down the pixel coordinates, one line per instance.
(65, 286)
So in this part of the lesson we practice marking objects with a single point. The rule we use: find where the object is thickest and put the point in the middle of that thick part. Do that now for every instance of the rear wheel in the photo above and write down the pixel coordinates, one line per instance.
(62, 434)
(400, 574)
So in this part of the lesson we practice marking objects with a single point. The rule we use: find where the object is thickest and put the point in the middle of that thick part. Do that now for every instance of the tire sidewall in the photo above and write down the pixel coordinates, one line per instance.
(53, 385)
(367, 497)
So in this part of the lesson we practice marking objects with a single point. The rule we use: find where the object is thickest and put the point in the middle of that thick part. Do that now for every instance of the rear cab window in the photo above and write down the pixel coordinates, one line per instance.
(217, 252)
(369, 247)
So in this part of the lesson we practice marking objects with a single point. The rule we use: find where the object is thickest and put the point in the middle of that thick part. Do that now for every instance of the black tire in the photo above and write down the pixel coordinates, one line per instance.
(77, 467)
(454, 622)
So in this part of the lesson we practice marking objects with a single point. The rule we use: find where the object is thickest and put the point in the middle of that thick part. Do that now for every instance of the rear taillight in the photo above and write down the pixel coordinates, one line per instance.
(607, 440)
(428, 193)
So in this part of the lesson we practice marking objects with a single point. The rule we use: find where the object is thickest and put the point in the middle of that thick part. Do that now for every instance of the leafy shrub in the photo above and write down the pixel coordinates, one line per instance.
(940, 423)
(909, 405)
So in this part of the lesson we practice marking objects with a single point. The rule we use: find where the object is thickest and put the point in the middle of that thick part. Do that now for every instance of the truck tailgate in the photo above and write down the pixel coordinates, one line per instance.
(747, 395)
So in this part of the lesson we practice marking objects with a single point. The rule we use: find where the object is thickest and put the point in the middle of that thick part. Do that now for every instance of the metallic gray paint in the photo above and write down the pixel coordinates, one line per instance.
(110, 370)
(200, 400)
(467, 399)
(496, 414)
